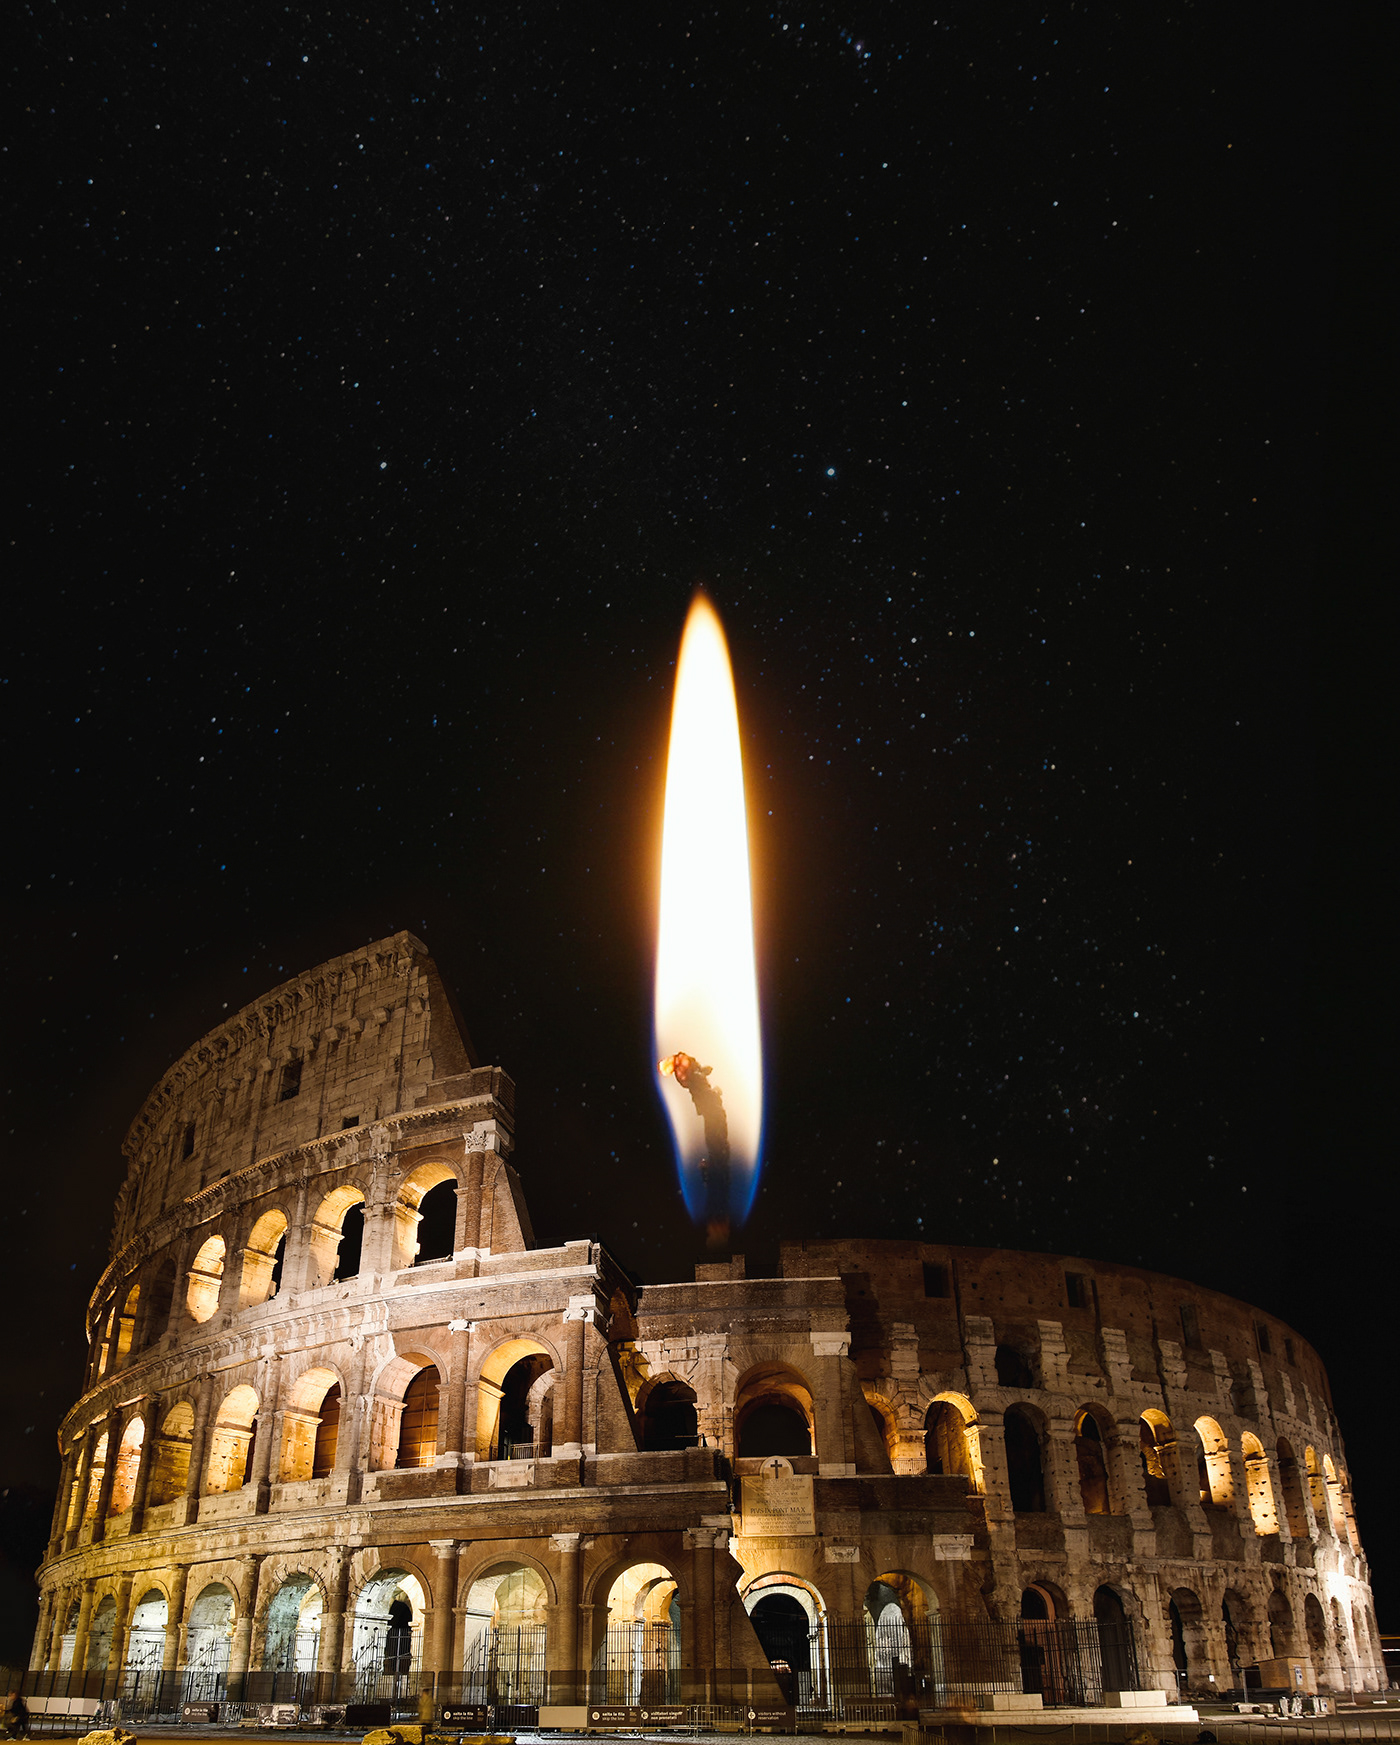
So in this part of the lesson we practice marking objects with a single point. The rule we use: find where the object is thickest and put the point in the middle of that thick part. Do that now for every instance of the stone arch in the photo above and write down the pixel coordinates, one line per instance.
(1092, 1435)
(145, 1648)
(95, 1474)
(898, 1610)
(773, 1413)
(388, 1612)
(206, 1277)
(228, 1464)
(884, 1421)
(413, 1190)
(262, 1258)
(311, 1424)
(507, 1608)
(1115, 1637)
(159, 1300)
(1290, 1480)
(1280, 1620)
(1217, 1481)
(667, 1413)
(1317, 1489)
(1025, 1459)
(396, 1398)
(1259, 1489)
(170, 1458)
(331, 1235)
(1155, 1439)
(496, 1365)
(209, 1629)
(788, 1615)
(128, 1461)
(130, 1298)
(1186, 1623)
(290, 1624)
(641, 1665)
(1237, 1620)
(101, 1629)
(1315, 1626)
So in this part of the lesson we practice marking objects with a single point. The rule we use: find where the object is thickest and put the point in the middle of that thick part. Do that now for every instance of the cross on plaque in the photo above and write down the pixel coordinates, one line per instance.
(774, 1467)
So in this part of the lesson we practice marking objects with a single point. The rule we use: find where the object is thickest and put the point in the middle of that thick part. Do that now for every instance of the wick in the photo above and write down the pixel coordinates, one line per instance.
(714, 1166)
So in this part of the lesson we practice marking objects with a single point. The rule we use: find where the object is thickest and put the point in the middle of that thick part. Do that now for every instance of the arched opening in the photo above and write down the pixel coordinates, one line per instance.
(310, 1426)
(207, 1638)
(128, 1462)
(159, 1302)
(231, 1443)
(1092, 1460)
(945, 1442)
(145, 1648)
(126, 1323)
(262, 1260)
(773, 1415)
(1315, 1626)
(1258, 1487)
(98, 1468)
(524, 1420)
(388, 1639)
(1045, 1666)
(1117, 1660)
(1336, 1513)
(102, 1351)
(69, 1638)
(418, 1427)
(1184, 1619)
(1013, 1371)
(1154, 1436)
(641, 1653)
(293, 1637)
(505, 1635)
(785, 1634)
(206, 1276)
(100, 1629)
(437, 1222)
(1317, 1489)
(490, 1396)
(1024, 1470)
(337, 1231)
(170, 1459)
(1234, 1617)
(410, 1209)
(1290, 1480)
(1280, 1625)
(669, 1417)
(1217, 1481)
(901, 1651)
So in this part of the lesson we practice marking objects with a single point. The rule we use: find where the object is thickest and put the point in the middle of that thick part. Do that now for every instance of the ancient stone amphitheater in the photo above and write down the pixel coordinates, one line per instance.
(348, 1433)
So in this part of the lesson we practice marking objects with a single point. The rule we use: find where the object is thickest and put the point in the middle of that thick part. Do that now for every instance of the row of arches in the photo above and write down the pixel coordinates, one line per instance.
(239, 1269)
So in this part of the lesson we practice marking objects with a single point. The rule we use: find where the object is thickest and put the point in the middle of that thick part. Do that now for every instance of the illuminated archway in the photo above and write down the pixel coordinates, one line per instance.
(206, 1276)
(387, 1644)
(640, 1655)
(228, 1466)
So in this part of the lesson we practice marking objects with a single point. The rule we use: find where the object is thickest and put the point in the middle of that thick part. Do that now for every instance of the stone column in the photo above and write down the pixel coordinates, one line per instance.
(329, 1654)
(175, 1617)
(80, 1639)
(84, 1477)
(109, 1474)
(352, 1443)
(199, 1443)
(1063, 1496)
(563, 1637)
(469, 1205)
(452, 1432)
(269, 1435)
(121, 1624)
(700, 1542)
(63, 1599)
(579, 1312)
(439, 1645)
(67, 1473)
(143, 1465)
(241, 1646)
(43, 1631)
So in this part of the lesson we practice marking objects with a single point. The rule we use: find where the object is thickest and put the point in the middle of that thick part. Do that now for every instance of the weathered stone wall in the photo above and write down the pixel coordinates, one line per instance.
(262, 1417)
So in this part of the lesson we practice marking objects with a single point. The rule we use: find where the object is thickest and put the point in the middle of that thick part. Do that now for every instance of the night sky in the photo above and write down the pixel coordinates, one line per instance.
(383, 387)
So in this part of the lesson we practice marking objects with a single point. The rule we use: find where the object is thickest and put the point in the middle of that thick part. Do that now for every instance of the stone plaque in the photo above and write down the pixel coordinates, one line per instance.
(778, 1505)
(952, 1547)
(843, 1554)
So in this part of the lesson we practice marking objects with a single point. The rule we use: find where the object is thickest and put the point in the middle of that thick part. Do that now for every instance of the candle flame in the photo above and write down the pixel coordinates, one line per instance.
(706, 1011)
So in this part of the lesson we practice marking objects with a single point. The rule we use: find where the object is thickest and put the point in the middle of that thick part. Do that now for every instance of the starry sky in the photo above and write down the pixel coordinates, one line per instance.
(384, 387)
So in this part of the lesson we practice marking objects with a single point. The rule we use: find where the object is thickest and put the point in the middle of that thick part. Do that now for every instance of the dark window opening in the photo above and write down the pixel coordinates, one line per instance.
(437, 1223)
(515, 1436)
(783, 1629)
(291, 1081)
(1093, 1466)
(327, 1434)
(945, 1441)
(349, 1121)
(1077, 1292)
(935, 1280)
(352, 1235)
(1023, 1464)
(1261, 1332)
(1154, 1474)
(398, 1640)
(774, 1429)
(187, 1144)
(668, 1419)
(1012, 1369)
(1190, 1325)
(162, 1296)
(278, 1256)
(1288, 1351)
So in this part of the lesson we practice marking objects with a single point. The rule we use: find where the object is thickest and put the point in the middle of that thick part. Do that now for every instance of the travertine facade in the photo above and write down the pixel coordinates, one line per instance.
(292, 1455)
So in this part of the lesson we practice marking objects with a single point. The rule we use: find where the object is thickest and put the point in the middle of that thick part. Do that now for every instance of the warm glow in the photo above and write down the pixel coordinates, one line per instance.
(706, 985)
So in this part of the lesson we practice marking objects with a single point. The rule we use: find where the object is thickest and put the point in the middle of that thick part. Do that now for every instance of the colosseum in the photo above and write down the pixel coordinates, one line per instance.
(348, 1434)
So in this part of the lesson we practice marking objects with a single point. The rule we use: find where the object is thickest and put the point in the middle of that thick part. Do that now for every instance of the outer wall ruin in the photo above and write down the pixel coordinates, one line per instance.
(281, 1439)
